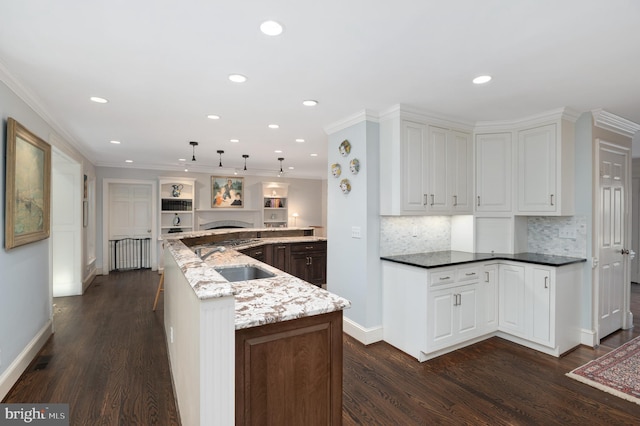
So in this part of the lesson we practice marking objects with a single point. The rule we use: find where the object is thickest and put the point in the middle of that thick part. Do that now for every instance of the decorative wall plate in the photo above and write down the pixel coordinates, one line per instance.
(345, 186)
(344, 148)
(336, 170)
(354, 166)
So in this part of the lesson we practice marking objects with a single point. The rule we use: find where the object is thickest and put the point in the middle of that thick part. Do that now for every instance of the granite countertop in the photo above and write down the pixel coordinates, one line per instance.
(449, 258)
(260, 301)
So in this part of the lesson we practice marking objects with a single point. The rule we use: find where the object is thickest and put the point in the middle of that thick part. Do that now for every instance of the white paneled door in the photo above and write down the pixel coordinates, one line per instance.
(130, 216)
(613, 247)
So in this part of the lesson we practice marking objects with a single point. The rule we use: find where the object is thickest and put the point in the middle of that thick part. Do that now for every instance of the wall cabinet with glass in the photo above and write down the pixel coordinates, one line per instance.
(177, 202)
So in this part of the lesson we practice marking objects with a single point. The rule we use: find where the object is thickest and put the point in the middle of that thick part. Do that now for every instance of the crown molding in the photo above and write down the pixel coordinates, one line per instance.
(33, 102)
(608, 121)
(557, 114)
(359, 117)
(414, 114)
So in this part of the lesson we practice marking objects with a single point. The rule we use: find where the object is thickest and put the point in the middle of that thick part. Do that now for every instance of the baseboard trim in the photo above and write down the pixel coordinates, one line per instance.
(20, 364)
(362, 334)
(88, 280)
(588, 338)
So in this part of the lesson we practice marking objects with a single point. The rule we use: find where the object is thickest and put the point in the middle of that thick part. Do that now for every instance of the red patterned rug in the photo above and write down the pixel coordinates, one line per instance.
(617, 372)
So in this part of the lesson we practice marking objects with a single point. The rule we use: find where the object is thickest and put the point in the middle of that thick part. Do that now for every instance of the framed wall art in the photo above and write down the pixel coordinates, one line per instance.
(28, 187)
(227, 192)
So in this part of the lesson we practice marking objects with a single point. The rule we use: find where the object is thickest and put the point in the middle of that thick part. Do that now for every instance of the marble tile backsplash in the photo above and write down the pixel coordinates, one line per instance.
(543, 235)
(396, 234)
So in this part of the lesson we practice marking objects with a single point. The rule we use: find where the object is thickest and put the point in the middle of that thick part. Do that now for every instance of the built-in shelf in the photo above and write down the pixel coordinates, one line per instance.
(177, 200)
(275, 204)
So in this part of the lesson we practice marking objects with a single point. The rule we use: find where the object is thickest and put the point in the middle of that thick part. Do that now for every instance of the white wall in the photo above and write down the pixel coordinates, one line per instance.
(25, 283)
(353, 264)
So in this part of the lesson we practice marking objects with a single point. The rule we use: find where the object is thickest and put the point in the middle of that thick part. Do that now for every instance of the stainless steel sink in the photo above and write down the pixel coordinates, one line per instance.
(243, 273)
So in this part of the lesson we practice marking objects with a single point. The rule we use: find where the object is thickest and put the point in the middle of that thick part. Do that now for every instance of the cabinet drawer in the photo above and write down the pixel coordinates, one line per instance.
(468, 274)
(438, 278)
(306, 247)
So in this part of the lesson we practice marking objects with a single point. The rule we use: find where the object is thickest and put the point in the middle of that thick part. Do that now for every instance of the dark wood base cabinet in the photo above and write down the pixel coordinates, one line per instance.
(290, 373)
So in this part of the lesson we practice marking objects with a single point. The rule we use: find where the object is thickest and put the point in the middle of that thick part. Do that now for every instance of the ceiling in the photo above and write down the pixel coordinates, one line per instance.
(163, 66)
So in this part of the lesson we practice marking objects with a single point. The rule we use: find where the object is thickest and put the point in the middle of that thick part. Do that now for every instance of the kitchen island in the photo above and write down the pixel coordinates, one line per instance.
(265, 347)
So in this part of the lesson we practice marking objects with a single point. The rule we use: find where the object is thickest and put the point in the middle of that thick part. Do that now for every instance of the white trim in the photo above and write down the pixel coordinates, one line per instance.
(22, 361)
(105, 219)
(362, 334)
(557, 114)
(588, 338)
(608, 121)
(413, 114)
(359, 117)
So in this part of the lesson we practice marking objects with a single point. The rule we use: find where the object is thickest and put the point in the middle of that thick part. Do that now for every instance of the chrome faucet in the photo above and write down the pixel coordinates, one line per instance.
(198, 252)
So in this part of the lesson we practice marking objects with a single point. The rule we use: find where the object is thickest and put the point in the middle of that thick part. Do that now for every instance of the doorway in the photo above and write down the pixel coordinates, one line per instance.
(66, 225)
(129, 215)
(613, 242)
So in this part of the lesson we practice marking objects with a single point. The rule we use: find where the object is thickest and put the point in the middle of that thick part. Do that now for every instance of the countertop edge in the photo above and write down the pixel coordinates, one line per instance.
(505, 257)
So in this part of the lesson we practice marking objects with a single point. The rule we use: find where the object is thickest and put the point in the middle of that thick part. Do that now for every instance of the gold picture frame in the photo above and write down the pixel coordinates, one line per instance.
(227, 192)
(27, 187)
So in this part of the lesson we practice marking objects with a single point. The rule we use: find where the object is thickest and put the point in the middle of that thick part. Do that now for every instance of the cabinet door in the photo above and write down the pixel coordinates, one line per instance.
(461, 170)
(541, 290)
(317, 268)
(493, 172)
(440, 322)
(298, 265)
(280, 257)
(440, 170)
(511, 286)
(414, 162)
(466, 311)
(537, 169)
(488, 306)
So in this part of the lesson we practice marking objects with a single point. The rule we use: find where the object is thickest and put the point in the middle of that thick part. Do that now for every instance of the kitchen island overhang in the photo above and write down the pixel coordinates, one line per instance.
(203, 311)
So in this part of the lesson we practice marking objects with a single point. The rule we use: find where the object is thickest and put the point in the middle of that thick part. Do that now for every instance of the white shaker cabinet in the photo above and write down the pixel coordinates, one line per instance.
(414, 182)
(450, 171)
(493, 172)
(512, 297)
(488, 317)
(546, 170)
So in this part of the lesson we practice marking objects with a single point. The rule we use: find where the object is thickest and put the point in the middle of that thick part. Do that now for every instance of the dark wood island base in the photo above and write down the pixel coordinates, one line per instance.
(290, 373)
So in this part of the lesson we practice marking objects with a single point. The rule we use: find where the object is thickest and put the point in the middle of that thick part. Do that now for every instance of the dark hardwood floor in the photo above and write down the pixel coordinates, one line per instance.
(109, 362)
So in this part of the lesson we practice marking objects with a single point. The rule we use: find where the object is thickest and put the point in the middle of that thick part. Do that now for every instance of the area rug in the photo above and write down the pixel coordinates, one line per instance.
(617, 372)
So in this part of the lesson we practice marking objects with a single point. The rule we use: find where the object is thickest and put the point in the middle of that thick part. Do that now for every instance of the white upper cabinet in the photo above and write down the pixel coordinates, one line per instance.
(415, 182)
(493, 172)
(546, 170)
(449, 171)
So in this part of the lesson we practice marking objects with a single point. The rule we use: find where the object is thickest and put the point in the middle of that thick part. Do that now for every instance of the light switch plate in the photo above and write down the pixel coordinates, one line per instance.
(355, 232)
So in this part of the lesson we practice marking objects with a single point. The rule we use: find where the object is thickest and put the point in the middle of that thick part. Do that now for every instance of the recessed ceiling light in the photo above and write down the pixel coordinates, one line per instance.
(278, 151)
(300, 140)
(271, 28)
(309, 102)
(115, 142)
(274, 126)
(128, 161)
(98, 100)
(482, 79)
(182, 159)
(234, 140)
(314, 155)
(213, 117)
(237, 78)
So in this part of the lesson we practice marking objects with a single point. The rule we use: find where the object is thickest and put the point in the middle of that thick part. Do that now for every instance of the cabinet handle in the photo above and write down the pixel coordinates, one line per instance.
(444, 278)
(309, 247)
(455, 200)
(455, 300)
(432, 199)
(424, 199)
(258, 253)
(469, 274)
(310, 260)
(459, 299)
(551, 196)
(478, 201)
(624, 251)
(486, 277)
(282, 247)
(546, 282)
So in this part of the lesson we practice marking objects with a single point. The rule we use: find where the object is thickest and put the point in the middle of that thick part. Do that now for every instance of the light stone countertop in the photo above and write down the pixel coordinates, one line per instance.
(260, 301)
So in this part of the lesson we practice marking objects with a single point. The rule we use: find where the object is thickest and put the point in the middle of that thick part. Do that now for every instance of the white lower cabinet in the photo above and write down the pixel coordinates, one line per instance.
(428, 312)
(540, 306)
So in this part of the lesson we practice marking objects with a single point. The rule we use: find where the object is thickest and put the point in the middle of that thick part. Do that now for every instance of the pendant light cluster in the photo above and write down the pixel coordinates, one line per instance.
(220, 152)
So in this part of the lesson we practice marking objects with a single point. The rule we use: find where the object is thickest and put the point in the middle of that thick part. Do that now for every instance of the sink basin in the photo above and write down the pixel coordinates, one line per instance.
(243, 273)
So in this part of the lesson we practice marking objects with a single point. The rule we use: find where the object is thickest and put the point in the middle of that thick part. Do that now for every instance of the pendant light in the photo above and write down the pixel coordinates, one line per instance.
(245, 156)
(280, 159)
(193, 144)
(220, 152)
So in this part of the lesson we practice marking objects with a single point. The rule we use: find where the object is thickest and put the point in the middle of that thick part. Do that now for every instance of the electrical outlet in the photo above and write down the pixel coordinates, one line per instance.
(568, 232)
(171, 334)
(355, 232)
